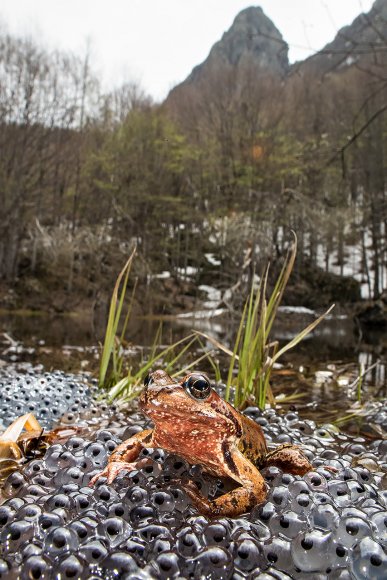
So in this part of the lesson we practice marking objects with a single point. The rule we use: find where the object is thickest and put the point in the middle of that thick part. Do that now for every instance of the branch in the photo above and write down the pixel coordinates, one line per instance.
(355, 136)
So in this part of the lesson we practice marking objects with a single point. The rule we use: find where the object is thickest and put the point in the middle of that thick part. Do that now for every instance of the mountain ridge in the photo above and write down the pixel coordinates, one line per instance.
(254, 40)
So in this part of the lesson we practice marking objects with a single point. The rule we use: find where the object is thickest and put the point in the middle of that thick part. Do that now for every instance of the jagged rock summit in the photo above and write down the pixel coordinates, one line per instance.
(254, 43)
(252, 40)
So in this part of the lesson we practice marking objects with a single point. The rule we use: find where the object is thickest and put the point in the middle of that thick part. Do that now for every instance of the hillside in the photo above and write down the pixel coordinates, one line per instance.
(208, 184)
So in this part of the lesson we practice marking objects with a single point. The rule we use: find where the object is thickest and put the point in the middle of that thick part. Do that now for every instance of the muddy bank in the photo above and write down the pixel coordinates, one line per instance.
(89, 288)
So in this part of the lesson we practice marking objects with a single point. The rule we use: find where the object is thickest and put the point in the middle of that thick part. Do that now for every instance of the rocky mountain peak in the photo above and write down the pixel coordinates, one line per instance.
(254, 35)
(252, 39)
(254, 44)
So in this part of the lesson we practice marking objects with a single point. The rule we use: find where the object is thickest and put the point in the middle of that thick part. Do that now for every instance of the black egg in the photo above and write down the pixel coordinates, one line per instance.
(70, 567)
(153, 531)
(163, 501)
(214, 558)
(119, 563)
(15, 534)
(115, 530)
(97, 454)
(7, 515)
(216, 534)
(93, 552)
(47, 522)
(188, 543)
(61, 541)
(14, 483)
(167, 565)
(36, 567)
(247, 555)
(30, 512)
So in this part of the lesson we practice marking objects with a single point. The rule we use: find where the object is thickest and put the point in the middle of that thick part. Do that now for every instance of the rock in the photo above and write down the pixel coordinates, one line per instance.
(372, 314)
(252, 38)
(251, 41)
(315, 288)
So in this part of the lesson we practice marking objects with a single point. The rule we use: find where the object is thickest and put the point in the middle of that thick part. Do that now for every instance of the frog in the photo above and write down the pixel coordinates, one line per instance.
(194, 422)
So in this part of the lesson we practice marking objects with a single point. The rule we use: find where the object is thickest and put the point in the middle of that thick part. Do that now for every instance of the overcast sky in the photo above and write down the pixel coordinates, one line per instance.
(158, 42)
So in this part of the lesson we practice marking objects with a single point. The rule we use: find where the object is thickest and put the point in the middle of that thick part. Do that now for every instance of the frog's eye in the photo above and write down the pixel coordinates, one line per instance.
(198, 386)
(148, 380)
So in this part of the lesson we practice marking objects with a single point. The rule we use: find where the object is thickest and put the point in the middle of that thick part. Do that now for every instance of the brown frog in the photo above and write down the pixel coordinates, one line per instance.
(193, 421)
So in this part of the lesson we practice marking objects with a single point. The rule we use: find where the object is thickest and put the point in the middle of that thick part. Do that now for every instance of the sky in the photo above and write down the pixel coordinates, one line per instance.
(156, 43)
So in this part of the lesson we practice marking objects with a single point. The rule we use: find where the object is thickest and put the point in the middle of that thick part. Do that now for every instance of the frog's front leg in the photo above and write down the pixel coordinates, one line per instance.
(123, 457)
(290, 459)
(239, 500)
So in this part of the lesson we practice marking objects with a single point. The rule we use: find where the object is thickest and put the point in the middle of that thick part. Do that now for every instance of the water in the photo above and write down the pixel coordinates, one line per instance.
(317, 374)
(145, 525)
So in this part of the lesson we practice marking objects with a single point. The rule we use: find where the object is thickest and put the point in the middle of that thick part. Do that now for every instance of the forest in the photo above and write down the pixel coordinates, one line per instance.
(216, 173)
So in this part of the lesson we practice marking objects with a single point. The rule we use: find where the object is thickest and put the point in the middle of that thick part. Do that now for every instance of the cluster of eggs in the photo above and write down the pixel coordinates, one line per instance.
(328, 524)
(47, 396)
(377, 415)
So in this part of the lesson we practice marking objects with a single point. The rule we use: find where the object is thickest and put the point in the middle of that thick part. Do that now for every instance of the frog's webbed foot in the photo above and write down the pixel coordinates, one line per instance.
(251, 490)
(238, 501)
(333, 470)
(290, 458)
(122, 458)
(111, 471)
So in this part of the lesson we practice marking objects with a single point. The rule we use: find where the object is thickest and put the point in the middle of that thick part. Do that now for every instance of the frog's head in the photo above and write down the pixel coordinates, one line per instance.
(189, 402)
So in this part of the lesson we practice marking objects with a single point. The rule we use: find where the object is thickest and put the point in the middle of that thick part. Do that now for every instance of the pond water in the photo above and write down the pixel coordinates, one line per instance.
(141, 520)
(318, 375)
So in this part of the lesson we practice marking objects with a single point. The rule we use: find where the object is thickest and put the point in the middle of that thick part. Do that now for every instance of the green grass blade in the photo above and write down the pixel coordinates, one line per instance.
(360, 382)
(129, 312)
(171, 364)
(151, 362)
(234, 354)
(191, 365)
(281, 284)
(111, 328)
(253, 352)
(301, 335)
(156, 341)
(216, 343)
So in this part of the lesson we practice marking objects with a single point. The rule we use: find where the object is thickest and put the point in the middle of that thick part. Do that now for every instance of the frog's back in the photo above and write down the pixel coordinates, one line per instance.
(252, 442)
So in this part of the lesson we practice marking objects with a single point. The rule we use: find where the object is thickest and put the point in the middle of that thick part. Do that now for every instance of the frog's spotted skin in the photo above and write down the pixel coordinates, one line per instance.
(192, 420)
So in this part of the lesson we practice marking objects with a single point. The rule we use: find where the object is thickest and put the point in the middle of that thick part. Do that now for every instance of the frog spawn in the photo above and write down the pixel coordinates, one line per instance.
(323, 525)
(47, 396)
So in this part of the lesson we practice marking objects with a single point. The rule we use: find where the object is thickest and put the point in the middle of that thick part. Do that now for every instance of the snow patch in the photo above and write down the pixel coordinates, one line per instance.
(202, 313)
(212, 259)
(163, 275)
(296, 310)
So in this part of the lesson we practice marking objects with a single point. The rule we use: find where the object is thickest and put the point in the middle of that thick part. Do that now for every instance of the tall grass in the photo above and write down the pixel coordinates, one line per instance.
(130, 385)
(251, 360)
(112, 347)
(254, 354)
(126, 382)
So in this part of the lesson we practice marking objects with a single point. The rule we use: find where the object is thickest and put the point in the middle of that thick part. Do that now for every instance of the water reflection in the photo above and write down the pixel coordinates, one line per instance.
(321, 371)
(336, 338)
